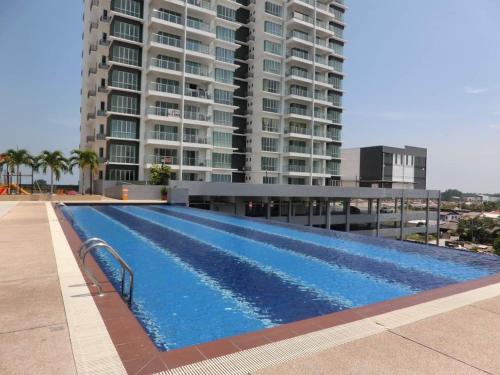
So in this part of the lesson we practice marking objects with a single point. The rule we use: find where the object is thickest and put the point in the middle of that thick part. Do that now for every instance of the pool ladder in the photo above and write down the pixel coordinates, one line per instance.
(99, 244)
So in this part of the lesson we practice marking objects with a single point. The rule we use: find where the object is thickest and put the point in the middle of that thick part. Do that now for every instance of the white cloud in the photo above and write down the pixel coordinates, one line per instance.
(475, 90)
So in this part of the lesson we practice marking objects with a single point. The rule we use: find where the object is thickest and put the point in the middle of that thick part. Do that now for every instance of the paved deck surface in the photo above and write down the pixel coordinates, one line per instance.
(34, 336)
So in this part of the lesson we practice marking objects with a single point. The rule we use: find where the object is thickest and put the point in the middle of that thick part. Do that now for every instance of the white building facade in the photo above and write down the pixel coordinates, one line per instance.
(221, 90)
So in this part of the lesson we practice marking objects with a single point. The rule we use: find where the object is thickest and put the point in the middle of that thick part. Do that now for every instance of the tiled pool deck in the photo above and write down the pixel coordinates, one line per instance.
(51, 324)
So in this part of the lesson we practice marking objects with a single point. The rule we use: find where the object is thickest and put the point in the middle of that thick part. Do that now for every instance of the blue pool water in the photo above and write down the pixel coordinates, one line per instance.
(201, 276)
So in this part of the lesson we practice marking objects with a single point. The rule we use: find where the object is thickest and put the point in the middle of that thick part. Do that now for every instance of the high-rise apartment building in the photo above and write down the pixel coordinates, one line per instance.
(221, 90)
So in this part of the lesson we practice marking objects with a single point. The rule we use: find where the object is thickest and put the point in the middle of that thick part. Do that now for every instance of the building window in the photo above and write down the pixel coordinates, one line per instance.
(271, 86)
(270, 105)
(273, 47)
(226, 13)
(223, 118)
(125, 55)
(270, 125)
(223, 97)
(274, 9)
(273, 28)
(272, 66)
(125, 80)
(221, 139)
(224, 33)
(126, 30)
(224, 76)
(122, 175)
(269, 164)
(126, 154)
(269, 144)
(225, 55)
(268, 180)
(221, 177)
(221, 160)
(126, 129)
(131, 7)
(124, 104)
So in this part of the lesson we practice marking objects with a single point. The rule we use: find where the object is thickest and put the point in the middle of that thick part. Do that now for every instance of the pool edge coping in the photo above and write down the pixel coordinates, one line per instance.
(112, 308)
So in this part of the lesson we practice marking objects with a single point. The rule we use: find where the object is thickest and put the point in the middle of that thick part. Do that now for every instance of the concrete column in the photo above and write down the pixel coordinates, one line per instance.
(402, 218)
(268, 209)
(235, 206)
(370, 206)
(310, 221)
(211, 204)
(289, 218)
(427, 201)
(279, 208)
(438, 230)
(347, 207)
(378, 217)
(328, 213)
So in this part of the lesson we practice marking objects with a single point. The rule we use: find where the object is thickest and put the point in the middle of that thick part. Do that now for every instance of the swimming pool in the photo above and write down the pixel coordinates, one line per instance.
(201, 276)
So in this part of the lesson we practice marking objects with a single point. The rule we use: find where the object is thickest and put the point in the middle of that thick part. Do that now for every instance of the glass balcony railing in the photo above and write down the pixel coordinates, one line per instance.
(163, 136)
(197, 93)
(298, 111)
(123, 135)
(196, 162)
(297, 130)
(166, 40)
(197, 47)
(298, 92)
(165, 64)
(198, 70)
(198, 116)
(160, 159)
(296, 168)
(299, 73)
(190, 138)
(198, 25)
(164, 112)
(166, 88)
(205, 4)
(297, 149)
(123, 159)
(166, 16)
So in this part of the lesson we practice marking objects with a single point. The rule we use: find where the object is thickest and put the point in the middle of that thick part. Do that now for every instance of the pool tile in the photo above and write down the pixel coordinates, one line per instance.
(278, 333)
(250, 340)
(217, 348)
(181, 357)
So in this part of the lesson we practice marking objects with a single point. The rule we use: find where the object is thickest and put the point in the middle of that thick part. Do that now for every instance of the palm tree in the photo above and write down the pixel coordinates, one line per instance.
(57, 164)
(34, 162)
(16, 158)
(85, 159)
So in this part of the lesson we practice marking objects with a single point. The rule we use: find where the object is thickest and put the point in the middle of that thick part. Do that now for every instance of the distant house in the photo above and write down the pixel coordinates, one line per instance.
(491, 215)
(449, 216)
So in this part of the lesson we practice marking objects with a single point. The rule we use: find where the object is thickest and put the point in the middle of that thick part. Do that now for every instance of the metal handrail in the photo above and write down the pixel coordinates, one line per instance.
(97, 243)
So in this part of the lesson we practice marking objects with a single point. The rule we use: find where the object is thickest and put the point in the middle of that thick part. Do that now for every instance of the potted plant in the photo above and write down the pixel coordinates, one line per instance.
(164, 193)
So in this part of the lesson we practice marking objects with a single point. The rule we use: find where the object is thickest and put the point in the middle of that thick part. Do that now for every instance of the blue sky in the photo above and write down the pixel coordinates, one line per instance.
(424, 75)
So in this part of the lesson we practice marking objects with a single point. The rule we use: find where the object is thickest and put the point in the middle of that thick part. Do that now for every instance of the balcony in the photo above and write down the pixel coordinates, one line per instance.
(163, 136)
(196, 162)
(100, 137)
(164, 16)
(297, 73)
(197, 116)
(188, 138)
(122, 135)
(301, 18)
(166, 40)
(298, 111)
(91, 116)
(296, 168)
(165, 64)
(289, 149)
(164, 112)
(165, 88)
(196, 70)
(199, 25)
(204, 4)
(197, 93)
(122, 159)
(160, 159)
(298, 130)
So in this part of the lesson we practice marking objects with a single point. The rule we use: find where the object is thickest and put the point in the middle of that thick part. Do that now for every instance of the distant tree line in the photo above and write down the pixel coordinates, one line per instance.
(53, 161)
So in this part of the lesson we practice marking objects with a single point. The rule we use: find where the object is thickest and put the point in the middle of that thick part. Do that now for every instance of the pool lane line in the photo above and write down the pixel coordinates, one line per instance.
(329, 280)
(381, 270)
(249, 318)
(403, 260)
(288, 302)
